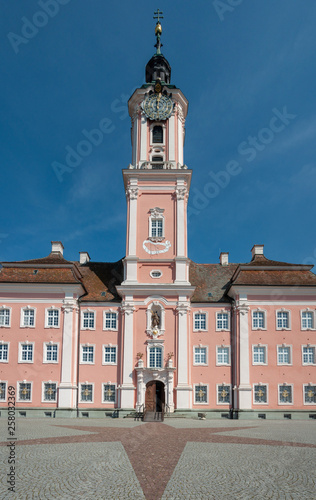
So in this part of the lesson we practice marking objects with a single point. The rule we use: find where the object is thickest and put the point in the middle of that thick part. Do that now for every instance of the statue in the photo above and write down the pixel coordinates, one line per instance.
(155, 320)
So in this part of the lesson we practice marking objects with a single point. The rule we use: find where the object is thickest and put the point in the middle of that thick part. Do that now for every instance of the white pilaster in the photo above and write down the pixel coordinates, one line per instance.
(183, 388)
(132, 195)
(171, 142)
(143, 139)
(67, 387)
(244, 388)
(181, 194)
(127, 388)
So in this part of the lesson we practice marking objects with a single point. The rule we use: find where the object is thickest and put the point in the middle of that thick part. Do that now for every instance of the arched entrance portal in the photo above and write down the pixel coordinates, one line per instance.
(155, 395)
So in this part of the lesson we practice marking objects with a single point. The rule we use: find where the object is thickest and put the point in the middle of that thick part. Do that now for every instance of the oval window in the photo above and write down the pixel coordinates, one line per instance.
(155, 274)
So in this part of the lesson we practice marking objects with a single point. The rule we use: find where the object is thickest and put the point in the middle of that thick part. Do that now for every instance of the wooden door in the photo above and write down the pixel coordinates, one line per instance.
(150, 396)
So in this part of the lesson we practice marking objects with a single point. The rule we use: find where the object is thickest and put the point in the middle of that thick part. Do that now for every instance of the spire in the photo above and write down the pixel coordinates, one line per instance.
(158, 30)
(158, 67)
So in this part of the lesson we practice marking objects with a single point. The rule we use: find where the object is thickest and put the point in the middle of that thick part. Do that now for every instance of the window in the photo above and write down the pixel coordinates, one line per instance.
(26, 353)
(259, 355)
(88, 320)
(199, 321)
(155, 274)
(260, 394)
(109, 355)
(283, 320)
(156, 228)
(87, 354)
(223, 394)
(200, 394)
(222, 357)
(285, 394)
(310, 394)
(157, 165)
(157, 134)
(307, 320)
(258, 320)
(200, 355)
(284, 355)
(222, 322)
(86, 393)
(3, 391)
(4, 317)
(308, 355)
(4, 353)
(155, 357)
(50, 391)
(110, 321)
(52, 318)
(25, 391)
(28, 317)
(109, 393)
(51, 353)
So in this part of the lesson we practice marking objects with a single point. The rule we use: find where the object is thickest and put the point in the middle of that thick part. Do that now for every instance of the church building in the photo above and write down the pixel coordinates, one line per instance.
(156, 332)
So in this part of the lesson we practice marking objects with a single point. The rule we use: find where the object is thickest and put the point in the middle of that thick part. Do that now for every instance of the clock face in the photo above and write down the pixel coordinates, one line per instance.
(157, 107)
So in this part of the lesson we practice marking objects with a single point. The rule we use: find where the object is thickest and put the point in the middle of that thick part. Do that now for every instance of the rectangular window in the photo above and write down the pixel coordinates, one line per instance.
(86, 393)
(284, 355)
(222, 321)
(110, 355)
(258, 319)
(307, 320)
(4, 350)
(285, 394)
(26, 352)
(108, 393)
(52, 352)
(200, 394)
(155, 357)
(200, 355)
(4, 317)
(88, 320)
(260, 394)
(259, 355)
(283, 321)
(50, 391)
(25, 391)
(28, 317)
(222, 355)
(308, 355)
(310, 394)
(156, 228)
(53, 317)
(3, 390)
(110, 321)
(223, 394)
(200, 321)
(87, 354)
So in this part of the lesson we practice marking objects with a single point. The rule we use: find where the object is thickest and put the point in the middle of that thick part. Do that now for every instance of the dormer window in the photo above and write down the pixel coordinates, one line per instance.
(157, 134)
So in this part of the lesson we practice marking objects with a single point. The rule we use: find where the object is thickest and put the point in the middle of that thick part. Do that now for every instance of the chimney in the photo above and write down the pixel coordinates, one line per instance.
(57, 246)
(257, 250)
(84, 257)
(223, 258)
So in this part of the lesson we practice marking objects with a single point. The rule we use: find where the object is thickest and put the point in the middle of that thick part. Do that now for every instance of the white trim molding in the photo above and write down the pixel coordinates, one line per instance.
(224, 385)
(112, 319)
(285, 387)
(290, 349)
(50, 343)
(264, 313)
(3, 343)
(89, 311)
(313, 348)
(229, 355)
(92, 392)
(195, 386)
(89, 346)
(18, 391)
(28, 343)
(200, 312)
(52, 308)
(111, 346)
(3, 307)
(265, 350)
(312, 394)
(260, 384)
(313, 316)
(110, 384)
(285, 311)
(22, 317)
(200, 346)
(48, 401)
(223, 311)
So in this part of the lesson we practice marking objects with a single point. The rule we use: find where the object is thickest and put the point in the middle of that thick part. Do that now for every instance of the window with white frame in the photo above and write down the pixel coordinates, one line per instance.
(308, 355)
(26, 353)
(52, 318)
(307, 320)
(156, 228)
(87, 354)
(200, 394)
(109, 393)
(260, 394)
(86, 393)
(285, 394)
(200, 355)
(283, 320)
(109, 356)
(51, 353)
(199, 321)
(157, 134)
(28, 317)
(88, 320)
(155, 357)
(24, 391)
(3, 391)
(4, 353)
(5, 317)
(223, 394)
(258, 320)
(259, 355)
(309, 394)
(284, 355)
(156, 222)
(50, 392)
(222, 355)
(110, 321)
(222, 321)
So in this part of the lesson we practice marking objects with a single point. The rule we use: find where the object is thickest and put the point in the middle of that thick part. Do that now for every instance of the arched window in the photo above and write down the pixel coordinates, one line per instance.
(157, 134)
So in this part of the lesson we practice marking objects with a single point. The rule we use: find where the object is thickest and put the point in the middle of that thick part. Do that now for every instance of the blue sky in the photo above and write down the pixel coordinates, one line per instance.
(248, 70)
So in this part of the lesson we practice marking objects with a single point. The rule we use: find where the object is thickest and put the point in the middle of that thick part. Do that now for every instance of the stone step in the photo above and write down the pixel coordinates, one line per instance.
(152, 416)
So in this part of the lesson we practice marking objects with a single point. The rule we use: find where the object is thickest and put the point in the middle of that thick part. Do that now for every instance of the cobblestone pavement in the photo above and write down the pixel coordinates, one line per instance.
(180, 459)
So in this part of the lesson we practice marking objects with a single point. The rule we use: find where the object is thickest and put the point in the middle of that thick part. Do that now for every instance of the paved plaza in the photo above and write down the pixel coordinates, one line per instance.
(179, 459)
